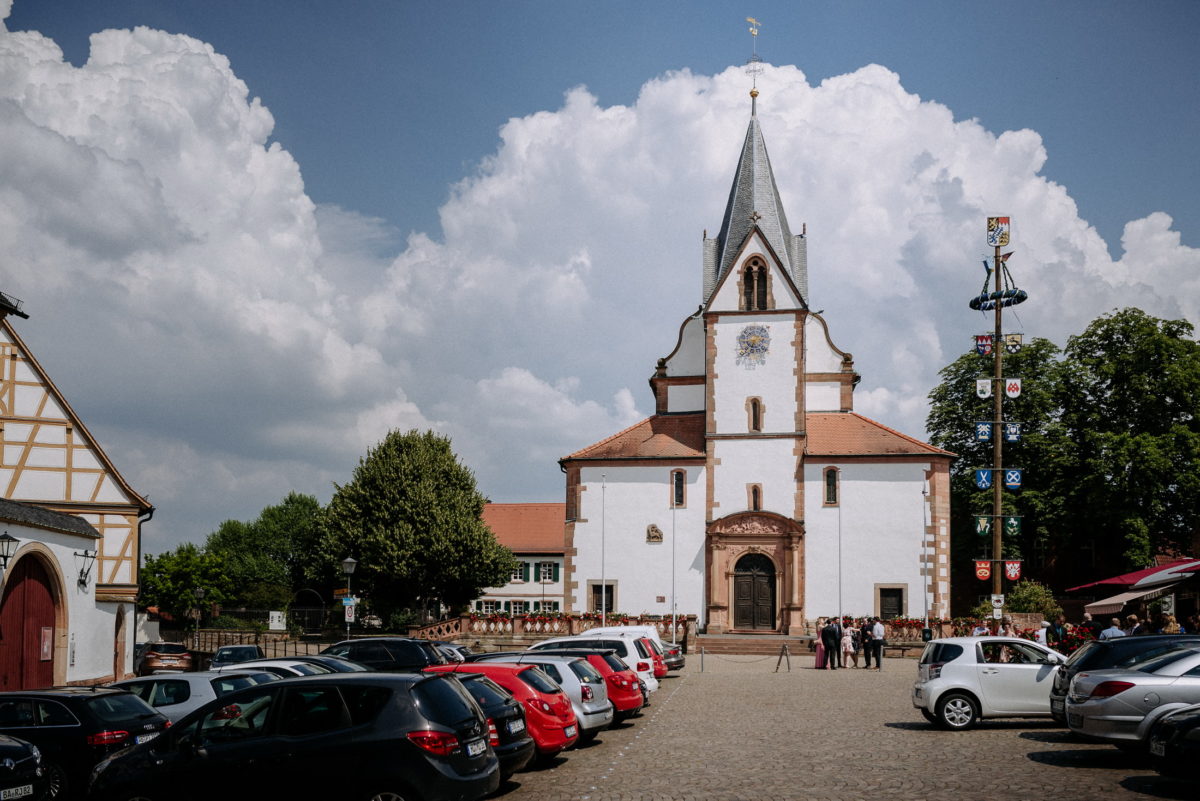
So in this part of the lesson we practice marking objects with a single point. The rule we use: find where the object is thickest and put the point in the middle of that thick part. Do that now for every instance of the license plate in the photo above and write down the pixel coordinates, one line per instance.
(1057, 706)
(17, 792)
(1158, 748)
(570, 731)
(515, 726)
(145, 738)
(476, 748)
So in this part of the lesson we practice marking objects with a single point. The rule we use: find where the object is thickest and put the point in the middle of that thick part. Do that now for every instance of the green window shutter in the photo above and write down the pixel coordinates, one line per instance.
(525, 571)
(478, 606)
(556, 571)
(554, 604)
(508, 606)
(537, 606)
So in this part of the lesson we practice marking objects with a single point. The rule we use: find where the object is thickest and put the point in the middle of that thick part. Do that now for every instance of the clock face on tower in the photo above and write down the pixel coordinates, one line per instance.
(753, 343)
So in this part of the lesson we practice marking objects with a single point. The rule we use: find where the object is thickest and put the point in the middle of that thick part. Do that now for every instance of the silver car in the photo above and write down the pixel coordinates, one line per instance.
(176, 694)
(582, 683)
(1120, 705)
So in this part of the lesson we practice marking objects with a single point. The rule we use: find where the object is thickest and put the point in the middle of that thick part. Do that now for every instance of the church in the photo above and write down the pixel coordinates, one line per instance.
(755, 497)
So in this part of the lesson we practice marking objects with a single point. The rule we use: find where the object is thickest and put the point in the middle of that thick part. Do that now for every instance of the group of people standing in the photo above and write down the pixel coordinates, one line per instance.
(839, 642)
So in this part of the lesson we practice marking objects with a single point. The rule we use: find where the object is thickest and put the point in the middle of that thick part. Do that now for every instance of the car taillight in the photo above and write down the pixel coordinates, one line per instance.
(442, 743)
(1107, 689)
(935, 669)
(167, 724)
(539, 705)
(493, 734)
(619, 681)
(111, 737)
(643, 667)
(586, 693)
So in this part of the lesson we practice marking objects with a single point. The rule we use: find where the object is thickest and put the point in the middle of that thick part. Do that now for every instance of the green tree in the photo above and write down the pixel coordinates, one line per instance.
(266, 557)
(170, 580)
(1131, 400)
(412, 517)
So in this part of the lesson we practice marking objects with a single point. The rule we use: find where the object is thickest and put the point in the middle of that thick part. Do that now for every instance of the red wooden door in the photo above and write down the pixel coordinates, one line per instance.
(27, 628)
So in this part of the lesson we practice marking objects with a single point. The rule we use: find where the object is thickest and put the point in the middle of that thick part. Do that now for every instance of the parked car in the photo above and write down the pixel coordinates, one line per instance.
(508, 734)
(232, 654)
(178, 694)
(340, 735)
(76, 727)
(454, 652)
(389, 653)
(1101, 654)
(336, 664)
(284, 668)
(22, 775)
(582, 683)
(1175, 742)
(624, 689)
(165, 657)
(961, 680)
(1119, 705)
(630, 650)
(548, 712)
(672, 652)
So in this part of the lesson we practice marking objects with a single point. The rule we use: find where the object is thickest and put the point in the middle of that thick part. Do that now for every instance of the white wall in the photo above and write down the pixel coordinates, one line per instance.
(633, 498)
(689, 359)
(819, 357)
(685, 398)
(823, 396)
(769, 462)
(726, 296)
(882, 521)
(774, 380)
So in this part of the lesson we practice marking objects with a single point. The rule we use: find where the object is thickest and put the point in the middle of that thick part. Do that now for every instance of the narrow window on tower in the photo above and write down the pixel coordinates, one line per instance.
(760, 287)
(754, 493)
(748, 282)
(754, 409)
(678, 487)
(831, 486)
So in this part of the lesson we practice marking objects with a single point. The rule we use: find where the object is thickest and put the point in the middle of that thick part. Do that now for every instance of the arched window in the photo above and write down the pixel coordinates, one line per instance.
(749, 279)
(755, 497)
(755, 292)
(831, 486)
(755, 414)
(760, 287)
(678, 486)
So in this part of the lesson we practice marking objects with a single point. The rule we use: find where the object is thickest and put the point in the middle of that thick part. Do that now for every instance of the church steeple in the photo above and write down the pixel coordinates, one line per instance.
(754, 201)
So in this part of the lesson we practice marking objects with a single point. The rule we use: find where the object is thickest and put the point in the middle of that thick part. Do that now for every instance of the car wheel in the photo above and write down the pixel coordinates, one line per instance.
(56, 781)
(386, 795)
(957, 711)
(925, 713)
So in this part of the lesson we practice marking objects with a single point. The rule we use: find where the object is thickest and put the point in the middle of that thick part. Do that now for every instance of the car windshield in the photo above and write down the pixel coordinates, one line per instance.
(485, 691)
(227, 683)
(119, 707)
(642, 650)
(1081, 653)
(168, 648)
(237, 652)
(1151, 654)
(539, 681)
(613, 662)
(443, 700)
(586, 673)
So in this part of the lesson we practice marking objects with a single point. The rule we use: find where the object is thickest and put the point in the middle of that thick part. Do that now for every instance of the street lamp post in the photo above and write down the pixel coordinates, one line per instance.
(199, 593)
(348, 565)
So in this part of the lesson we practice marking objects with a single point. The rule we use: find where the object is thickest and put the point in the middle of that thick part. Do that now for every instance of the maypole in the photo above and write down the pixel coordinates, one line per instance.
(1003, 294)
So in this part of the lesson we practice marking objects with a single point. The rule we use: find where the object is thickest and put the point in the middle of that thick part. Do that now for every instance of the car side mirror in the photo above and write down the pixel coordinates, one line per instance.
(192, 747)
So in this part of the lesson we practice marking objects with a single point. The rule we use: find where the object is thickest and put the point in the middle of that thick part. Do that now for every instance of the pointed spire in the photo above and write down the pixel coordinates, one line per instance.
(753, 200)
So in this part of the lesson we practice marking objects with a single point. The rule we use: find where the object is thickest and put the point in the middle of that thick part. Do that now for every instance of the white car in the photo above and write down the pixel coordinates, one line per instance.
(628, 649)
(963, 679)
(283, 667)
(176, 694)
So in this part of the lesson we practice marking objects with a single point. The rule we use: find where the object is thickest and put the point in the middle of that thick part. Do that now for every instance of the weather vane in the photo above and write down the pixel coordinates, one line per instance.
(754, 65)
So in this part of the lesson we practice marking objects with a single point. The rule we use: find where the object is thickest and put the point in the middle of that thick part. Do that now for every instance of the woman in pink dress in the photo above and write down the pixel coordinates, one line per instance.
(820, 663)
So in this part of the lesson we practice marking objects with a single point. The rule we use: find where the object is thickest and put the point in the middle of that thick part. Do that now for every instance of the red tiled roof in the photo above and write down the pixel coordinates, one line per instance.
(528, 527)
(668, 436)
(851, 434)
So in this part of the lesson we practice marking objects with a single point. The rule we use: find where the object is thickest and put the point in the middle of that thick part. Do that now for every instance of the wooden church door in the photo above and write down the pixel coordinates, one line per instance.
(27, 628)
(754, 593)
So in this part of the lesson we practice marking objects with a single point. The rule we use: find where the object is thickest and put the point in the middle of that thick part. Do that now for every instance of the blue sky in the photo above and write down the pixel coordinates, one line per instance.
(253, 236)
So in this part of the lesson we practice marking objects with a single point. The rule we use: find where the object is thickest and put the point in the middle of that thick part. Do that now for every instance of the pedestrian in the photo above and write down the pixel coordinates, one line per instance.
(1092, 627)
(1113, 631)
(848, 644)
(865, 634)
(1042, 634)
(831, 638)
(1058, 630)
(877, 641)
(1171, 626)
(856, 635)
(819, 663)
(1132, 626)
(980, 630)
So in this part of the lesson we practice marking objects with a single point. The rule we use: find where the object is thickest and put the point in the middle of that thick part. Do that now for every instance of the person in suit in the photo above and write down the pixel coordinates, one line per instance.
(864, 635)
(831, 638)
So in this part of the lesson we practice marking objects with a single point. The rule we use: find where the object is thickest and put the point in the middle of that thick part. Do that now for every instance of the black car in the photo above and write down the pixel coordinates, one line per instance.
(76, 727)
(389, 653)
(1175, 742)
(340, 735)
(507, 733)
(1115, 653)
(22, 775)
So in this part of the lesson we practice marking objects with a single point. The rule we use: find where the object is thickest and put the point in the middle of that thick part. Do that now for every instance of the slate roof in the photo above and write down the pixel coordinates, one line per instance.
(36, 516)
(528, 527)
(753, 190)
(851, 434)
(667, 436)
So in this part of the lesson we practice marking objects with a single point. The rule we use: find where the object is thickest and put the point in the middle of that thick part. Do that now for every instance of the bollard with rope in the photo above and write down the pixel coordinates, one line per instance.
(702, 659)
(784, 653)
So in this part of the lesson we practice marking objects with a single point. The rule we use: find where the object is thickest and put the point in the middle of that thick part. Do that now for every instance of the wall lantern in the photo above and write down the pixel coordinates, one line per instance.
(8, 547)
(85, 570)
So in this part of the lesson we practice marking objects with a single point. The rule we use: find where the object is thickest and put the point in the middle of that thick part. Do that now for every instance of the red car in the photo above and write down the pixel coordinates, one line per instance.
(548, 713)
(656, 656)
(624, 690)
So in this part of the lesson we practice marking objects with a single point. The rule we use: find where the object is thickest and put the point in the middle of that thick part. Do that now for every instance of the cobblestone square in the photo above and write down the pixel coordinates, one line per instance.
(738, 730)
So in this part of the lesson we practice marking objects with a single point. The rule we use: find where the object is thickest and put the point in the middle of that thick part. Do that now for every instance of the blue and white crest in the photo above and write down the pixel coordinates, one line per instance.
(983, 478)
(1012, 432)
(983, 432)
(1012, 478)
